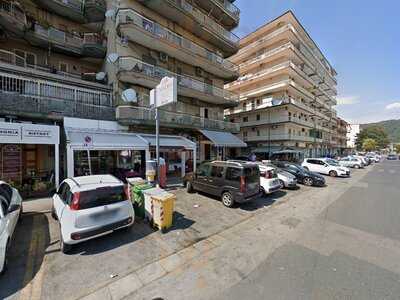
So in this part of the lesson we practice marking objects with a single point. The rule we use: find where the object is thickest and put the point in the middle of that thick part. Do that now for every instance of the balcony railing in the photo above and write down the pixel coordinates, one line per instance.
(281, 137)
(131, 64)
(228, 7)
(77, 5)
(15, 60)
(129, 16)
(21, 94)
(205, 20)
(12, 10)
(140, 114)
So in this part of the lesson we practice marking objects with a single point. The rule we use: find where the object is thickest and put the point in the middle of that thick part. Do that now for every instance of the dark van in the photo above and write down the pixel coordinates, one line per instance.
(234, 182)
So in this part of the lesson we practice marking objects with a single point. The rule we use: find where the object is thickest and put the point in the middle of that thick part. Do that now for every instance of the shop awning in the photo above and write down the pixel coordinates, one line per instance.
(223, 139)
(170, 141)
(104, 140)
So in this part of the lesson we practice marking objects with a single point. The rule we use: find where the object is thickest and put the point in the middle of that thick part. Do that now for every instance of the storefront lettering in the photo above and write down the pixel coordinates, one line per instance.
(9, 132)
(37, 133)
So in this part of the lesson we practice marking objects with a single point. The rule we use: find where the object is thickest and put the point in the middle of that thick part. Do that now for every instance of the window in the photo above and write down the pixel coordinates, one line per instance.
(203, 170)
(258, 132)
(217, 171)
(258, 117)
(30, 59)
(233, 174)
(245, 119)
(258, 102)
(244, 133)
(63, 67)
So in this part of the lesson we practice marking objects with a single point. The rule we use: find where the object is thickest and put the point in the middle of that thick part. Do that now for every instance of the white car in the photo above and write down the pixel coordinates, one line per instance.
(362, 158)
(269, 180)
(325, 166)
(90, 206)
(10, 212)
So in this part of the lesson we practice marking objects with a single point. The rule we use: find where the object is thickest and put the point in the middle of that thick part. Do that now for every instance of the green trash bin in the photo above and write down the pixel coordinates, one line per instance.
(138, 198)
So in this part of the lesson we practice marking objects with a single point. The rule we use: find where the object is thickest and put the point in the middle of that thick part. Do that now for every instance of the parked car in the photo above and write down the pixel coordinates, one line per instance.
(364, 159)
(351, 162)
(233, 181)
(90, 206)
(373, 158)
(269, 180)
(10, 213)
(392, 157)
(325, 166)
(286, 179)
(302, 175)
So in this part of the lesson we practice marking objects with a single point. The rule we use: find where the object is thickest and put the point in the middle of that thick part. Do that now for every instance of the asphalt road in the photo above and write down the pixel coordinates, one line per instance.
(352, 250)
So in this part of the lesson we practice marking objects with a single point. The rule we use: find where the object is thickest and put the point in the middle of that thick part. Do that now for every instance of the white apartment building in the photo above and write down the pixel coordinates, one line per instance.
(352, 132)
(287, 91)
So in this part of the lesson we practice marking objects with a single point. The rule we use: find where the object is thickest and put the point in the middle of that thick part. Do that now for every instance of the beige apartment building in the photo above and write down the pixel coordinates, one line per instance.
(287, 91)
(63, 59)
(189, 40)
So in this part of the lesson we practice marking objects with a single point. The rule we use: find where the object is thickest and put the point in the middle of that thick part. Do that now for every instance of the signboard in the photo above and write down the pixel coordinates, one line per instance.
(12, 163)
(23, 133)
(9, 131)
(37, 133)
(166, 91)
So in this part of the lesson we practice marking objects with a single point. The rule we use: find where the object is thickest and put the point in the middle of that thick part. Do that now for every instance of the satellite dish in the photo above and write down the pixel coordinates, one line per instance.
(129, 95)
(110, 13)
(100, 76)
(112, 57)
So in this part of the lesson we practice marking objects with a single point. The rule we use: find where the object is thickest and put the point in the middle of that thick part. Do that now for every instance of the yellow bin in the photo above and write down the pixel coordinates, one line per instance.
(159, 207)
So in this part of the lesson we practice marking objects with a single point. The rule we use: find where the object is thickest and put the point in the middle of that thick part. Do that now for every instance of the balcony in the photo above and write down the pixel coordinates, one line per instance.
(194, 20)
(154, 36)
(89, 44)
(135, 71)
(12, 18)
(277, 120)
(37, 98)
(80, 11)
(223, 10)
(134, 115)
(281, 137)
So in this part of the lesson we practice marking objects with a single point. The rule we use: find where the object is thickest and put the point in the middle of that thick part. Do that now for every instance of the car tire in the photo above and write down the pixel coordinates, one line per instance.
(308, 181)
(333, 173)
(262, 190)
(64, 248)
(5, 262)
(227, 199)
(53, 214)
(282, 184)
(189, 187)
(356, 166)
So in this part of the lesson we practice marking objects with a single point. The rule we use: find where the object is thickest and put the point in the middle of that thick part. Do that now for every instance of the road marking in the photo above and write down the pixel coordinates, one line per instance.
(32, 284)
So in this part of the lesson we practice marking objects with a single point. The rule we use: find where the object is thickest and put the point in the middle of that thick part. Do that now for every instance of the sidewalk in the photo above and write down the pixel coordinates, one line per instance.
(206, 268)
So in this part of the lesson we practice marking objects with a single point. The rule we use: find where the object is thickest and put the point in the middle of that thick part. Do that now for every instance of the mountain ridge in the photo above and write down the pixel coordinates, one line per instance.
(392, 127)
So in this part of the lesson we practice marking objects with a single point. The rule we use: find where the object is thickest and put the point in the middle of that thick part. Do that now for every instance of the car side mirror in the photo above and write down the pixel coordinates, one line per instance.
(14, 207)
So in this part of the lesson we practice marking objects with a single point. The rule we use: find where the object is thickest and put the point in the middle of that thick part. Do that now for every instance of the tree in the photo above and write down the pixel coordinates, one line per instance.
(376, 133)
(369, 145)
(397, 148)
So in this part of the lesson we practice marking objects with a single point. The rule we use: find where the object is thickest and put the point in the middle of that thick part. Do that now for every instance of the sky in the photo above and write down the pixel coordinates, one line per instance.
(361, 39)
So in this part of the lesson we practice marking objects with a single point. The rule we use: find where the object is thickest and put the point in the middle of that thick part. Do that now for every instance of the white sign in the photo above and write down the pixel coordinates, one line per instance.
(37, 133)
(23, 133)
(9, 132)
(167, 91)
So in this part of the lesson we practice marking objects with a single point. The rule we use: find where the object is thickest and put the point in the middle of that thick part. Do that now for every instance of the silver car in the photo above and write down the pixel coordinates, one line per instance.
(351, 162)
(286, 179)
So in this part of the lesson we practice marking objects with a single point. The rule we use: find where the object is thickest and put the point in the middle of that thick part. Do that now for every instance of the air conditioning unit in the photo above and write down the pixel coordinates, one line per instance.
(163, 57)
(199, 72)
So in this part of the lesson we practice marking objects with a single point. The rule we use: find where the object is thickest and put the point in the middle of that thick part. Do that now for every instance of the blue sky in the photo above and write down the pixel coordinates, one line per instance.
(361, 39)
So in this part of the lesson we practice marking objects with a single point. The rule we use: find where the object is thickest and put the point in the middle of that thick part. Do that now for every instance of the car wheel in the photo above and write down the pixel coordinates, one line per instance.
(227, 199)
(357, 166)
(308, 181)
(53, 213)
(64, 248)
(5, 262)
(282, 184)
(332, 173)
(262, 190)
(189, 187)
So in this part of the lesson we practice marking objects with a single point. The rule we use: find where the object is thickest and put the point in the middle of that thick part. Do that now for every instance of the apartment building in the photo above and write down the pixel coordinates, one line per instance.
(65, 66)
(188, 40)
(340, 137)
(352, 131)
(51, 57)
(287, 91)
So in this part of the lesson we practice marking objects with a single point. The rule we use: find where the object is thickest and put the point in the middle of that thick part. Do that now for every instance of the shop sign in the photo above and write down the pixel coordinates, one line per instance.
(37, 133)
(9, 132)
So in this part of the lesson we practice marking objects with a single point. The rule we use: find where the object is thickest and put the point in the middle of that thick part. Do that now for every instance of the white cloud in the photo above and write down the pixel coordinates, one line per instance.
(347, 100)
(394, 105)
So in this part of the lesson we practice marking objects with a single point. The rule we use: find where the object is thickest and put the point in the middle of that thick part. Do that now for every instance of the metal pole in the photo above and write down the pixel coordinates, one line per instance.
(89, 162)
(157, 145)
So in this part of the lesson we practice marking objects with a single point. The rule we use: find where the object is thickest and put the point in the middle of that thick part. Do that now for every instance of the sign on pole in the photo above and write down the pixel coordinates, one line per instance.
(166, 91)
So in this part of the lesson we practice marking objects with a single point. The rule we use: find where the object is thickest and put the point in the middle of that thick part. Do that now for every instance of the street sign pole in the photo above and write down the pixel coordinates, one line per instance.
(158, 145)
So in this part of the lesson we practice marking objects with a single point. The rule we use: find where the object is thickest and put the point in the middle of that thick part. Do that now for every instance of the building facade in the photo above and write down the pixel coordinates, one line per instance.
(287, 91)
(340, 137)
(352, 132)
(77, 59)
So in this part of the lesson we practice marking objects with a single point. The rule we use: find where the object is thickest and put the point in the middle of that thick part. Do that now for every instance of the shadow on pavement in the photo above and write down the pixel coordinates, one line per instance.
(26, 254)
(263, 201)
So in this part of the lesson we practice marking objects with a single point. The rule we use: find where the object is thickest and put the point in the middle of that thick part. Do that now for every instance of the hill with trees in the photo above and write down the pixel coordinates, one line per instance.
(392, 127)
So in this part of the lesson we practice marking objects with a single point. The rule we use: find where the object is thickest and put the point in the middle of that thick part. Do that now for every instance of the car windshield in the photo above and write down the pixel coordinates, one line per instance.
(332, 162)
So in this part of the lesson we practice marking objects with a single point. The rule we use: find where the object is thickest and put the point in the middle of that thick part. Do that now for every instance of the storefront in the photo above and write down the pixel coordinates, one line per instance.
(105, 147)
(29, 157)
(216, 144)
